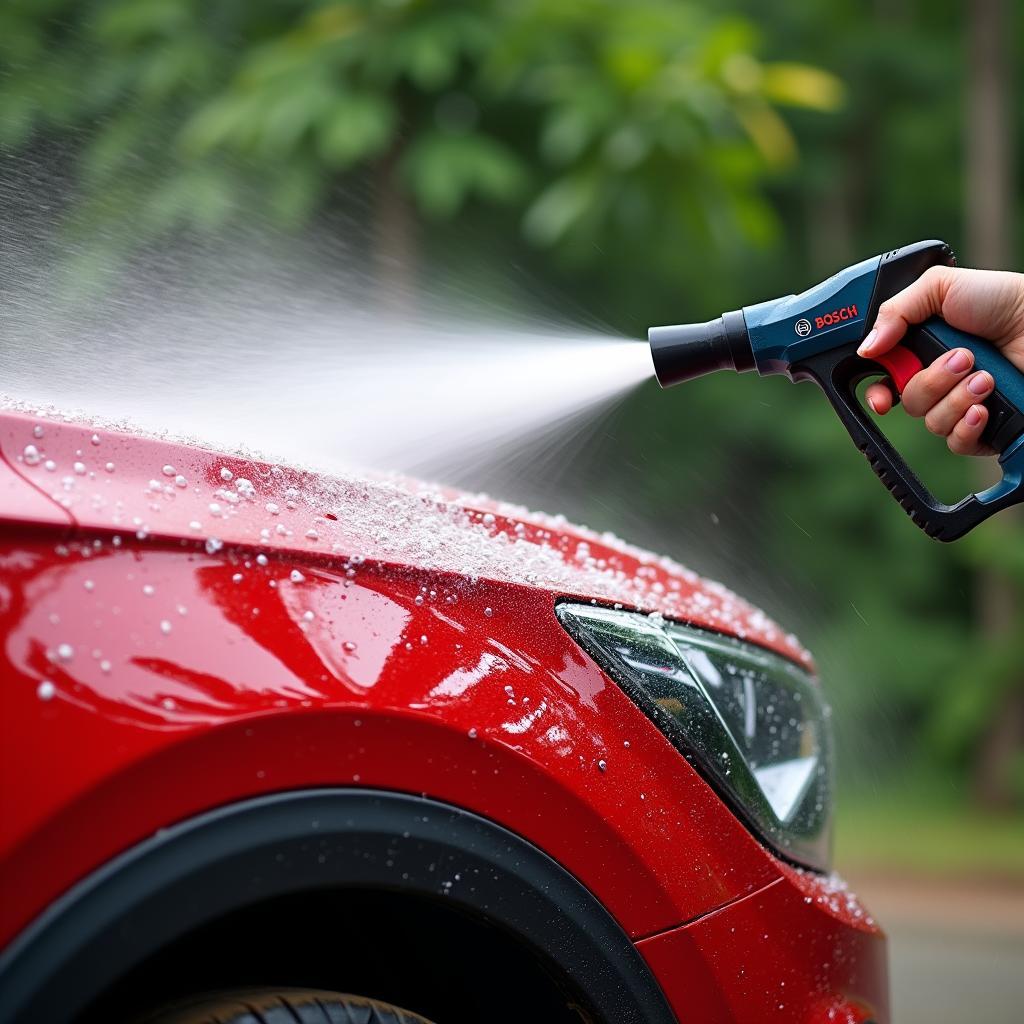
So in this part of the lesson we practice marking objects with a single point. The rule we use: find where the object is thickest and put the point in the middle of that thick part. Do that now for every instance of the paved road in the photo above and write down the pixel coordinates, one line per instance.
(956, 950)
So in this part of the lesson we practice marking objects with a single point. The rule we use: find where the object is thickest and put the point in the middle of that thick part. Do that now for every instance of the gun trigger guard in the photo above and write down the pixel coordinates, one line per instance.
(838, 372)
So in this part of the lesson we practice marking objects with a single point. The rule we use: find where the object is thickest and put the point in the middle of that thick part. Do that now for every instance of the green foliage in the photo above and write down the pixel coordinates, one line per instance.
(592, 113)
(445, 168)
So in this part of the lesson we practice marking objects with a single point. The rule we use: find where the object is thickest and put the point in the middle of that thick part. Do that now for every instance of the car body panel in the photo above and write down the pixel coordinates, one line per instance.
(172, 696)
(172, 646)
(157, 489)
(802, 950)
(22, 502)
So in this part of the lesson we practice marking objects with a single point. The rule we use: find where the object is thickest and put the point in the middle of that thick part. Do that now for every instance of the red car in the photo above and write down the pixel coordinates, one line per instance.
(327, 747)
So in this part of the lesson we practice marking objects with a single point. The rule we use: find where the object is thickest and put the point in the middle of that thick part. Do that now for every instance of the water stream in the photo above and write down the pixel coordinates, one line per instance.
(308, 365)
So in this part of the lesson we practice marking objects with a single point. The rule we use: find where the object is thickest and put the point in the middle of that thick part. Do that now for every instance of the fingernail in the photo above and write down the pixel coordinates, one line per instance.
(871, 402)
(958, 361)
(980, 383)
(973, 416)
(868, 344)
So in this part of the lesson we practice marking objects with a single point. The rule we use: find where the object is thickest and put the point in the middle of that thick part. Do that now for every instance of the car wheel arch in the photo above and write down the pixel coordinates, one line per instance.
(317, 840)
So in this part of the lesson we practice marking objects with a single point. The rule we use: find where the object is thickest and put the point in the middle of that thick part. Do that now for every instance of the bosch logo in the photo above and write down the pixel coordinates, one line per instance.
(803, 326)
(837, 316)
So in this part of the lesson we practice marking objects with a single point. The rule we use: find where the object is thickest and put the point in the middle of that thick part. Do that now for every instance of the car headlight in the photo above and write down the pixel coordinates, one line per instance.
(754, 724)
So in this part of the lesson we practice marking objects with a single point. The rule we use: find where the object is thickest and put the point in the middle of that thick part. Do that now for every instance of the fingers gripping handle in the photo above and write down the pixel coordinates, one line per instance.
(934, 338)
(838, 372)
(932, 341)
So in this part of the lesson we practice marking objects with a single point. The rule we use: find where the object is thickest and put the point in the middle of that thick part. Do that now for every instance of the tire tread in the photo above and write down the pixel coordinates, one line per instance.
(284, 1006)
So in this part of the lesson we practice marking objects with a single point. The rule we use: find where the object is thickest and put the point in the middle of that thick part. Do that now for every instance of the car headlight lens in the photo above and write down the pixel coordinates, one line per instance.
(754, 724)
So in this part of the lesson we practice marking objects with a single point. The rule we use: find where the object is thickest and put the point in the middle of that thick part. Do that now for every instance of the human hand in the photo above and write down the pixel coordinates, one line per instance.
(987, 303)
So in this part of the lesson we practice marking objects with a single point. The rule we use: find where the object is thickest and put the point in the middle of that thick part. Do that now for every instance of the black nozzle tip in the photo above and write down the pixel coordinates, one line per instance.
(684, 351)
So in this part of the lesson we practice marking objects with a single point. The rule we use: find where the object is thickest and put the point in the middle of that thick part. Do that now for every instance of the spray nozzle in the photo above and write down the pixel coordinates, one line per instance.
(684, 351)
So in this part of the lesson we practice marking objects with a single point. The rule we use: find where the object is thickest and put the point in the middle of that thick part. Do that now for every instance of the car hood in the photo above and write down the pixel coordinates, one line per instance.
(153, 489)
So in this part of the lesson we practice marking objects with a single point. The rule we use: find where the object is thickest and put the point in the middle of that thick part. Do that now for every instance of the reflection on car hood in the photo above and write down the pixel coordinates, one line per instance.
(154, 489)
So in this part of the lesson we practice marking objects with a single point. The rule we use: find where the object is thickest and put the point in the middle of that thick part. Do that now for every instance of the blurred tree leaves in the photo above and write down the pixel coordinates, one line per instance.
(601, 117)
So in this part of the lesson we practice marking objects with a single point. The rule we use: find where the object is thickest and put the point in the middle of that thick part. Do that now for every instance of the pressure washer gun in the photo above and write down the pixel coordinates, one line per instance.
(814, 336)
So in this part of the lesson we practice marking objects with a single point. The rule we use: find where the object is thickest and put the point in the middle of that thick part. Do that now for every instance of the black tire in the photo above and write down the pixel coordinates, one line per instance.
(282, 1006)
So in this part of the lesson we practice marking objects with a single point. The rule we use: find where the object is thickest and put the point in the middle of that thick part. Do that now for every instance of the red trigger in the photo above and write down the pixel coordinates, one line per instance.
(901, 363)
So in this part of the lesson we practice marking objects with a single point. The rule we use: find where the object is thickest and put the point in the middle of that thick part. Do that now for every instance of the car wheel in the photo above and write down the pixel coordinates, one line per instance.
(282, 1006)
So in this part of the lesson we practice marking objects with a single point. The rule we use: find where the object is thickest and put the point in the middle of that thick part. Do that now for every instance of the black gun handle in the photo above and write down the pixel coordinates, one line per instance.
(838, 372)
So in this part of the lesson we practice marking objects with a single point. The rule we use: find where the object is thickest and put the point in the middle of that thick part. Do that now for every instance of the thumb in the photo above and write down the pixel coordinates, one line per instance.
(913, 305)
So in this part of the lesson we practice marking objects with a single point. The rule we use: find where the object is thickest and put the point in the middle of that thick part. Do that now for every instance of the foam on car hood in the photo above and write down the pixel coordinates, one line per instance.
(154, 489)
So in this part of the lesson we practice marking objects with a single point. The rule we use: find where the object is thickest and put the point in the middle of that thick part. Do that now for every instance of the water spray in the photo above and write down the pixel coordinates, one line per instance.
(814, 336)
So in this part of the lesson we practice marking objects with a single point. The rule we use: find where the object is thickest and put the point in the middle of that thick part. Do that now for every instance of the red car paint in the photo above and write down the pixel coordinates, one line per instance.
(182, 630)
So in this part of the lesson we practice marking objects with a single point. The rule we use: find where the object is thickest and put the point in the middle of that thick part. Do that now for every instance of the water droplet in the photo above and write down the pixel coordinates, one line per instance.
(245, 488)
(312, 535)
(180, 481)
(236, 578)
(46, 690)
(168, 704)
(50, 466)
(308, 616)
(603, 765)
(168, 470)
(272, 508)
(165, 627)
(95, 439)
(89, 585)
(79, 468)
(104, 666)
(349, 645)
(226, 475)
(31, 454)
(488, 612)
(262, 559)
(295, 576)
(65, 652)
(37, 430)
(472, 734)
(215, 508)
(488, 519)
(109, 467)
(213, 545)
(149, 590)
(423, 639)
